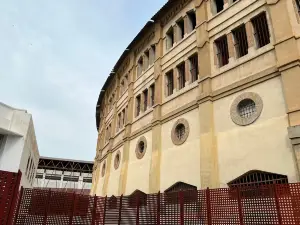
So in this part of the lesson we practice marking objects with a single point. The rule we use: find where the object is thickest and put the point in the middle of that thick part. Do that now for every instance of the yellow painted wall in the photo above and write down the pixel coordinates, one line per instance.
(138, 169)
(181, 163)
(263, 145)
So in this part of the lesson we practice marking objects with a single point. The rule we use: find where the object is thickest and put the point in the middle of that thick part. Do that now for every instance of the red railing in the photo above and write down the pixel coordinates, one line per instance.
(9, 189)
(269, 204)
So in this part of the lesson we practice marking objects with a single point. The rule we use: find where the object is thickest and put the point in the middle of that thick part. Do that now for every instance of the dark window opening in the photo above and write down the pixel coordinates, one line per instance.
(145, 93)
(138, 105)
(170, 38)
(152, 54)
(141, 147)
(180, 29)
(261, 30)
(120, 121)
(52, 177)
(140, 66)
(241, 43)
(181, 75)
(298, 5)
(170, 83)
(192, 19)
(87, 180)
(194, 69)
(180, 131)
(152, 93)
(71, 178)
(123, 117)
(146, 60)
(222, 50)
(219, 5)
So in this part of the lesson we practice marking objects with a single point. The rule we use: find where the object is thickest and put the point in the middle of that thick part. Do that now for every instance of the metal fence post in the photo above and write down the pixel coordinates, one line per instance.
(138, 209)
(120, 209)
(181, 206)
(94, 211)
(14, 200)
(18, 206)
(277, 204)
(241, 218)
(158, 208)
(47, 207)
(208, 206)
(104, 210)
(73, 208)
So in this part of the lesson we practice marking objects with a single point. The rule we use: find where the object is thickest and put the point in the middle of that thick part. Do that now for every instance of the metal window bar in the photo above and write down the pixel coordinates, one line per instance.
(181, 75)
(194, 68)
(261, 30)
(180, 131)
(145, 99)
(223, 54)
(241, 43)
(246, 108)
(170, 83)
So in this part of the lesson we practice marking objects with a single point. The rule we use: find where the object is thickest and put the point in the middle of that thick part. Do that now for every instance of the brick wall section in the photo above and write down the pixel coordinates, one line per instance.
(250, 34)
(230, 45)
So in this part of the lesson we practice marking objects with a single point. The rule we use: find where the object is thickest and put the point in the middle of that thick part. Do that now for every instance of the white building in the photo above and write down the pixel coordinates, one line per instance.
(18, 145)
(64, 174)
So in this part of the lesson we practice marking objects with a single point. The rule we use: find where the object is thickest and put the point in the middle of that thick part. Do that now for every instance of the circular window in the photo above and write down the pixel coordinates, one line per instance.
(246, 108)
(117, 160)
(180, 131)
(141, 147)
(103, 169)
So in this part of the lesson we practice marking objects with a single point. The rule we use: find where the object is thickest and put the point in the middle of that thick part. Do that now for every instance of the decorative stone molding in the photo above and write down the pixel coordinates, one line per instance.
(234, 111)
(117, 160)
(175, 139)
(103, 169)
(138, 152)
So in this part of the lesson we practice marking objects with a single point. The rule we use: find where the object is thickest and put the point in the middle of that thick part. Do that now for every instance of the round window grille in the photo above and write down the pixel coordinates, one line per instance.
(117, 160)
(180, 131)
(246, 108)
(141, 147)
(103, 169)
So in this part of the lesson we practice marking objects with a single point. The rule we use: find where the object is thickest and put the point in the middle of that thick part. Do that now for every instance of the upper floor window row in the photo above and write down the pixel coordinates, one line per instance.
(145, 100)
(239, 40)
(146, 60)
(182, 27)
(123, 84)
(185, 73)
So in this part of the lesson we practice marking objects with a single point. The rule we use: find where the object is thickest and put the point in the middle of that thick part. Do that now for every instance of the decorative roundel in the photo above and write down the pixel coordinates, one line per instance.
(103, 169)
(141, 147)
(246, 108)
(117, 160)
(180, 131)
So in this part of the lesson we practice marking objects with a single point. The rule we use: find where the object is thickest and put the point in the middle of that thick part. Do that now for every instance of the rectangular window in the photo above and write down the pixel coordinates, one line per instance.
(181, 75)
(145, 95)
(110, 131)
(107, 134)
(240, 41)
(170, 82)
(219, 5)
(180, 29)
(222, 50)
(119, 121)
(123, 117)
(140, 66)
(194, 69)
(152, 93)
(138, 105)
(298, 5)
(146, 60)
(261, 30)
(192, 20)
(152, 54)
(170, 38)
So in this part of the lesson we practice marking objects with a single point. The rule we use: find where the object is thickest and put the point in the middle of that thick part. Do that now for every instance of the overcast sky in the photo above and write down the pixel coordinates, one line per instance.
(55, 56)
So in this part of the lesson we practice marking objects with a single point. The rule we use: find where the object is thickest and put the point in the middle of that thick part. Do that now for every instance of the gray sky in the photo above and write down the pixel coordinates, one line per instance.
(54, 58)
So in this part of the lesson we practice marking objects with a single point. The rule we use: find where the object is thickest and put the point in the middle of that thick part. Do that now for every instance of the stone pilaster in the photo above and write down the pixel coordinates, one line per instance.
(230, 43)
(294, 135)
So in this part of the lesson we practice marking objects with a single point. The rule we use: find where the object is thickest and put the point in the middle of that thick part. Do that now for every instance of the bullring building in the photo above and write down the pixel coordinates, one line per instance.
(206, 95)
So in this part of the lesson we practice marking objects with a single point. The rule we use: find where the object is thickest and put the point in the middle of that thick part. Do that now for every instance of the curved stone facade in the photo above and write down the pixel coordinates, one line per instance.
(192, 65)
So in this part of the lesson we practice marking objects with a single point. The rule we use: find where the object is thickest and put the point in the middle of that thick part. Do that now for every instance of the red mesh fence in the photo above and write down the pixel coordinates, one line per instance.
(9, 187)
(270, 204)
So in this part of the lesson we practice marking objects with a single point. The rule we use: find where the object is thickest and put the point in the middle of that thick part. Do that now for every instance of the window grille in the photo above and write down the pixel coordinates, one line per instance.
(181, 75)
(180, 131)
(192, 19)
(138, 105)
(152, 97)
(141, 147)
(261, 30)
(241, 43)
(170, 83)
(194, 70)
(222, 50)
(246, 108)
(145, 99)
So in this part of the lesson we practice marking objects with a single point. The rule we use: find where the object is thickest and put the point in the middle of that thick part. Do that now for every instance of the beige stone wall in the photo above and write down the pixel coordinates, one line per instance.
(264, 145)
(113, 182)
(180, 162)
